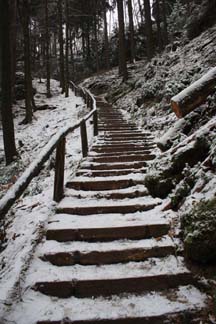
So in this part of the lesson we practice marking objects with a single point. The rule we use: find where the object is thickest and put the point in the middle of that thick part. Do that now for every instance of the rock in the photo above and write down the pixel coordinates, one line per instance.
(199, 229)
(158, 185)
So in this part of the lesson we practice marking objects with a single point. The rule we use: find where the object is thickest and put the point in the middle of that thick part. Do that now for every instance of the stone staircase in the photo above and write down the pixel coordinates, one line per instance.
(108, 256)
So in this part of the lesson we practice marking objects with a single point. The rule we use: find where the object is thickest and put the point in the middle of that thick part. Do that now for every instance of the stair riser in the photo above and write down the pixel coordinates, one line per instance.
(119, 166)
(108, 234)
(111, 257)
(121, 153)
(107, 173)
(108, 287)
(187, 317)
(83, 211)
(124, 158)
(102, 185)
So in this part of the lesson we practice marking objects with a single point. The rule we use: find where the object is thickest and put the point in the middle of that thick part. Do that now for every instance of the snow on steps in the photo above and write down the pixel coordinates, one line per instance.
(78, 206)
(105, 183)
(105, 280)
(176, 306)
(70, 253)
(114, 250)
(103, 227)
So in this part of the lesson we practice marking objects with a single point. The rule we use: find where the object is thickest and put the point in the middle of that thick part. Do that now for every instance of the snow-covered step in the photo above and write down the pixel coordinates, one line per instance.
(120, 148)
(103, 227)
(70, 205)
(141, 151)
(108, 173)
(131, 192)
(105, 280)
(63, 254)
(105, 183)
(122, 158)
(179, 305)
(115, 165)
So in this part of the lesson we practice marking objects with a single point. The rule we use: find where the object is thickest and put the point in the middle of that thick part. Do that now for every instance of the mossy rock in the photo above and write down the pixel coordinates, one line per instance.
(201, 251)
(190, 156)
(158, 186)
(199, 227)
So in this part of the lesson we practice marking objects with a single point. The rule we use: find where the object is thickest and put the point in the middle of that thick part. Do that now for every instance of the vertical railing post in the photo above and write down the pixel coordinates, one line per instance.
(95, 123)
(84, 139)
(59, 171)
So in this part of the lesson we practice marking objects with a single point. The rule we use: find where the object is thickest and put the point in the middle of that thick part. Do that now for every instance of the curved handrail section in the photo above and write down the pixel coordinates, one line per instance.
(57, 142)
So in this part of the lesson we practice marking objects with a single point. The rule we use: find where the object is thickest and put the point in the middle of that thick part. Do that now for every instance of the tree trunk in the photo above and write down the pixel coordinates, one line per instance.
(194, 95)
(141, 13)
(61, 47)
(149, 33)
(131, 29)
(6, 81)
(47, 49)
(13, 10)
(122, 49)
(66, 48)
(164, 15)
(27, 63)
(96, 38)
(158, 22)
(106, 40)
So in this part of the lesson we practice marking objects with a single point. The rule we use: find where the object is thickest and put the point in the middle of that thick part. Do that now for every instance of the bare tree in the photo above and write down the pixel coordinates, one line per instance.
(122, 50)
(6, 81)
(149, 33)
(131, 30)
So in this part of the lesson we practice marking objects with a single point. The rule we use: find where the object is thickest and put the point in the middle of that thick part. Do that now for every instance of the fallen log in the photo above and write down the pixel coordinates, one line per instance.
(193, 96)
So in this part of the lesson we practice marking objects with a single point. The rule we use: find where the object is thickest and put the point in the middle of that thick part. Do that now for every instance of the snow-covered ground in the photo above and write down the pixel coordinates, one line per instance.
(24, 224)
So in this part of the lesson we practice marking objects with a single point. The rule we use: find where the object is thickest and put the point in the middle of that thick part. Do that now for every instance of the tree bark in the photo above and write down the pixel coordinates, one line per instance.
(131, 29)
(164, 16)
(194, 95)
(61, 47)
(122, 50)
(106, 40)
(6, 81)
(149, 33)
(47, 49)
(66, 48)
(27, 63)
(158, 22)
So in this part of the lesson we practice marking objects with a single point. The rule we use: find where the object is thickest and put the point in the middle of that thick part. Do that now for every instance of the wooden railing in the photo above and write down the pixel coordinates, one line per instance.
(57, 142)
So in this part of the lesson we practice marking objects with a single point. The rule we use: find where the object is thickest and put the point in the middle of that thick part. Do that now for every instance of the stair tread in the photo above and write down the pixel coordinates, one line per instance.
(97, 194)
(41, 271)
(38, 307)
(73, 202)
(117, 245)
(64, 221)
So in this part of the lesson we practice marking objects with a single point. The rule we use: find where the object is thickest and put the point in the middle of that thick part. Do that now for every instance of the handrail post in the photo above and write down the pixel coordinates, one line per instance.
(59, 171)
(95, 123)
(84, 139)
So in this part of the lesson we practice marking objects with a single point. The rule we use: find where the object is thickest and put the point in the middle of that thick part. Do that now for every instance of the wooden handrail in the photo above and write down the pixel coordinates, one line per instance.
(57, 142)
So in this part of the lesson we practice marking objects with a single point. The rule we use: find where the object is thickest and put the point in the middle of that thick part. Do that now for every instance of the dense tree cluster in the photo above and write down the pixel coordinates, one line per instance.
(71, 39)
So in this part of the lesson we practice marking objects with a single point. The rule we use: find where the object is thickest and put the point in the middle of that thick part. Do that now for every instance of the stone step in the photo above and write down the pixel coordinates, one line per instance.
(113, 166)
(123, 158)
(100, 183)
(185, 304)
(119, 153)
(107, 173)
(96, 288)
(132, 192)
(187, 316)
(70, 205)
(107, 234)
(120, 148)
(87, 281)
(61, 254)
